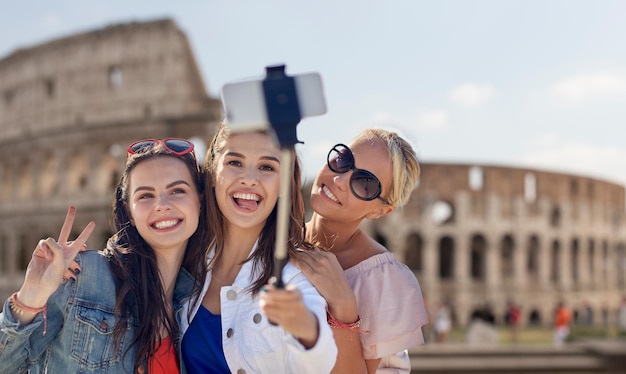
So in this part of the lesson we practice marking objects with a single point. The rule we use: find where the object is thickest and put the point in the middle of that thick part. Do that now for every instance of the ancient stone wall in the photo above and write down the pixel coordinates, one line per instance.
(68, 110)
(480, 235)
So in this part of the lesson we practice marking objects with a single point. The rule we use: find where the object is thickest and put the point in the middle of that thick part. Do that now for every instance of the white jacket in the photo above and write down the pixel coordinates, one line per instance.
(252, 345)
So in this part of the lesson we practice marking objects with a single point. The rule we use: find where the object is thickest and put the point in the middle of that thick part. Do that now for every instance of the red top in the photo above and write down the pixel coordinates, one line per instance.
(165, 360)
(562, 317)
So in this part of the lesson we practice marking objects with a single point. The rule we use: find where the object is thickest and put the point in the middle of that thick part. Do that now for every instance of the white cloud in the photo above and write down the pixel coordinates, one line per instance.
(554, 154)
(433, 120)
(584, 86)
(471, 94)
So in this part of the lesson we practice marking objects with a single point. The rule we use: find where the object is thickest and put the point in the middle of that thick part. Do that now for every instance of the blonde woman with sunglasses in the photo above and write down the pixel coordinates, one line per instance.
(375, 304)
(121, 315)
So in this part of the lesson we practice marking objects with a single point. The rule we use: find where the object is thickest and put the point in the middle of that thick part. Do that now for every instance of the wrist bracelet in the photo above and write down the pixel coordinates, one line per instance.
(20, 309)
(334, 323)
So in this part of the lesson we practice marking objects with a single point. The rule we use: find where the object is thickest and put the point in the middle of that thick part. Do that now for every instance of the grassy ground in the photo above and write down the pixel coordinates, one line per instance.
(540, 336)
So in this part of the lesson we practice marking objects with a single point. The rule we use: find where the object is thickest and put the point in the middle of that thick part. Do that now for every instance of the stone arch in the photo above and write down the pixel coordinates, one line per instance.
(532, 263)
(573, 186)
(575, 259)
(620, 257)
(507, 253)
(555, 217)
(25, 252)
(534, 317)
(108, 172)
(478, 250)
(413, 252)
(555, 261)
(483, 312)
(605, 263)
(8, 178)
(446, 257)
(49, 185)
(116, 77)
(25, 180)
(50, 87)
(77, 172)
(591, 261)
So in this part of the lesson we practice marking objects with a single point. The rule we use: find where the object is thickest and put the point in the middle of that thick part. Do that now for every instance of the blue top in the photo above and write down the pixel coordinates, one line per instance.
(81, 319)
(202, 344)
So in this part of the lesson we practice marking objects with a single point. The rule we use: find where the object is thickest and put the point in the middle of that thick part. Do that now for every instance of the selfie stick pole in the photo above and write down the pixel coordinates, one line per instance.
(283, 112)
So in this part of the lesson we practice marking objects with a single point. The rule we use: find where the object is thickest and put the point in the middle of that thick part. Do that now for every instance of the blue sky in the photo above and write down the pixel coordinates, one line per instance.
(534, 83)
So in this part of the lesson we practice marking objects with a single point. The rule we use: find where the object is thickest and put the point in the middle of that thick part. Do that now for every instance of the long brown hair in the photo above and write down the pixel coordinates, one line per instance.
(140, 297)
(263, 258)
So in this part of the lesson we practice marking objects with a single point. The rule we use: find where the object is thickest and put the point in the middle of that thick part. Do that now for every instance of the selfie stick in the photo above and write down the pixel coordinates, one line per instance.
(283, 112)
(252, 104)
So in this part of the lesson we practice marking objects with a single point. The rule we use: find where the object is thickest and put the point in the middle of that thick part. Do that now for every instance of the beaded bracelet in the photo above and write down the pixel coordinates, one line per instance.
(20, 309)
(334, 323)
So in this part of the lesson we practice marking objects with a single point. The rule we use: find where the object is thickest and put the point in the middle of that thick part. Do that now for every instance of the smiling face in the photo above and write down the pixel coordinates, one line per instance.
(163, 203)
(331, 196)
(247, 180)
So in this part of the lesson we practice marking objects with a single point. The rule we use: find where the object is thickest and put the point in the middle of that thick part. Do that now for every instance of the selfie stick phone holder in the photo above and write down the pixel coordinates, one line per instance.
(283, 112)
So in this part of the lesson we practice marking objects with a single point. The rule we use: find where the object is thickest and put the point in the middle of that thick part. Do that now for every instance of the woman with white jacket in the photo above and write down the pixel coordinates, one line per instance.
(241, 323)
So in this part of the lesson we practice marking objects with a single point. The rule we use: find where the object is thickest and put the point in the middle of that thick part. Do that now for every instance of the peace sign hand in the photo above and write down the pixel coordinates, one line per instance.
(50, 260)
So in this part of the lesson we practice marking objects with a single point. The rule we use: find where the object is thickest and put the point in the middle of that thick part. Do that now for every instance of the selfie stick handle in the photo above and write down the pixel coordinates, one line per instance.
(283, 112)
(282, 228)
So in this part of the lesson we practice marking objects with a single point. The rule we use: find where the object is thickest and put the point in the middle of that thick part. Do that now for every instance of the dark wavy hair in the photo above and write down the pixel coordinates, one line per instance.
(140, 297)
(263, 256)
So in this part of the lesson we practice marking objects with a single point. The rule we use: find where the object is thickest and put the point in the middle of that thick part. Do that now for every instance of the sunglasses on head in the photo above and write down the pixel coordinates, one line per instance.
(364, 184)
(175, 146)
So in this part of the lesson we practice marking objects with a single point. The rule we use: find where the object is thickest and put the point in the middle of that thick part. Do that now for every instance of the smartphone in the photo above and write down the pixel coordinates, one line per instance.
(244, 101)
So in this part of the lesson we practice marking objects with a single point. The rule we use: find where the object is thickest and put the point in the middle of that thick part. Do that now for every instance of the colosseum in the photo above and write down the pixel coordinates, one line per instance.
(481, 235)
(69, 108)
(473, 234)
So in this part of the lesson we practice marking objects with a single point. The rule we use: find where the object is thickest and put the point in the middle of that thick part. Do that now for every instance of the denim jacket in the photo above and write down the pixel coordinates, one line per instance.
(80, 324)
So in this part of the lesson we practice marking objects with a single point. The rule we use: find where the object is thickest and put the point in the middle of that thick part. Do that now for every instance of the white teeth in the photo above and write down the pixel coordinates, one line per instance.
(166, 224)
(329, 194)
(246, 196)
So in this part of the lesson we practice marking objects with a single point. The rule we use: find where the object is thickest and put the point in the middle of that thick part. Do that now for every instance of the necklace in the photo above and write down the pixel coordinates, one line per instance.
(223, 283)
(234, 270)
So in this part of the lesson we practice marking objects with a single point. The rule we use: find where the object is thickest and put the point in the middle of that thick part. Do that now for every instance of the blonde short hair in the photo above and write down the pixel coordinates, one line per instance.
(405, 166)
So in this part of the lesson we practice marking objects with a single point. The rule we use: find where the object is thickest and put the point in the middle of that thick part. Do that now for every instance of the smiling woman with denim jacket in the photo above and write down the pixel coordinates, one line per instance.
(119, 315)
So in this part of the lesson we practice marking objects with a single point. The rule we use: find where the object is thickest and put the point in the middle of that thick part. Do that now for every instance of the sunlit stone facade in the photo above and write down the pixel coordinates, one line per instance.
(69, 108)
(480, 234)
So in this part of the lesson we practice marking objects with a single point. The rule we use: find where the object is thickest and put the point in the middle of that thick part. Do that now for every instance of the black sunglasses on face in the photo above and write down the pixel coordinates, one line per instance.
(364, 184)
